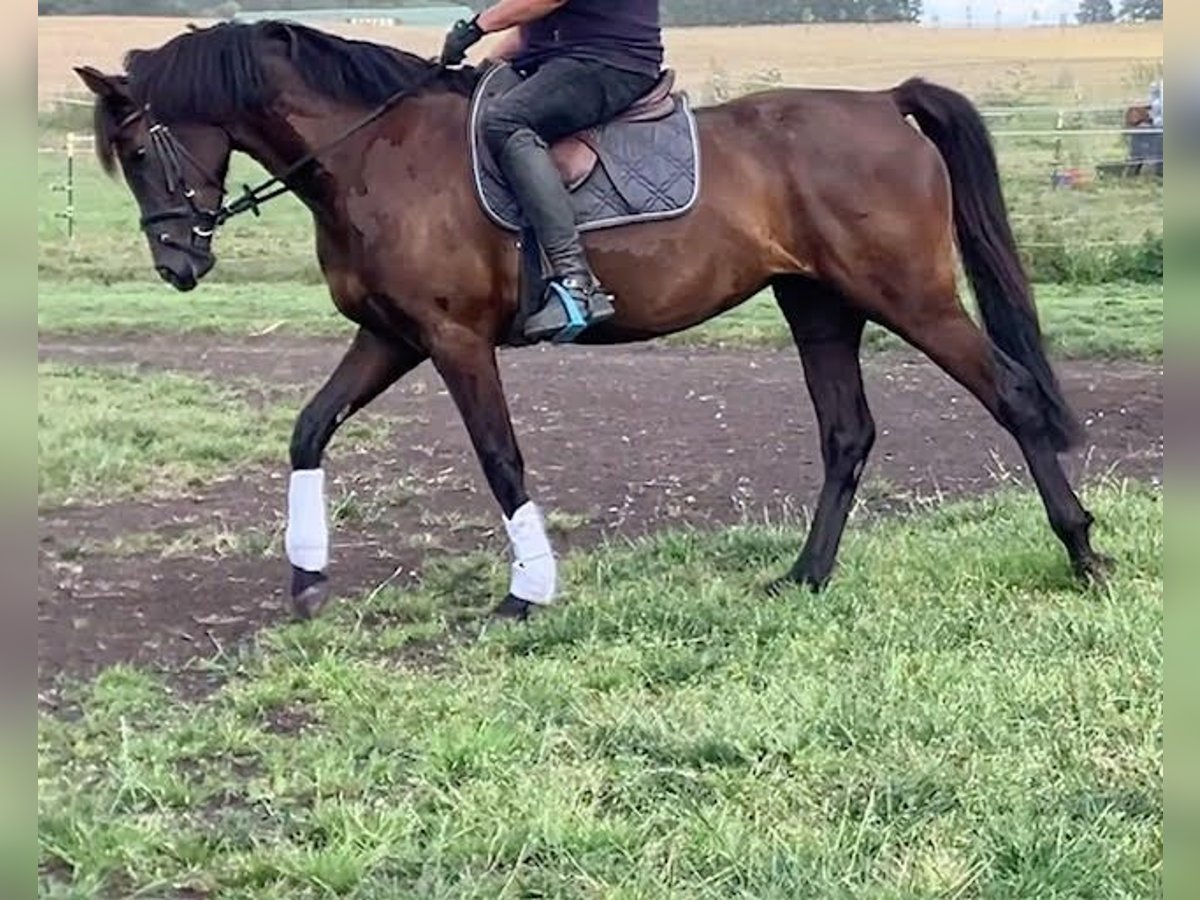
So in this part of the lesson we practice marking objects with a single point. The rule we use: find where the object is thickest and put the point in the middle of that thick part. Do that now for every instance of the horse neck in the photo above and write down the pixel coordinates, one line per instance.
(424, 130)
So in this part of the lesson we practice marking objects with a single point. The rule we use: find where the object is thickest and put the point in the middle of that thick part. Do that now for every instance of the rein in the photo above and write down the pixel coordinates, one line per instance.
(252, 198)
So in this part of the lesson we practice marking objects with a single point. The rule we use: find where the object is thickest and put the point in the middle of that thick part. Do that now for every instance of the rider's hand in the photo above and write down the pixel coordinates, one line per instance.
(462, 36)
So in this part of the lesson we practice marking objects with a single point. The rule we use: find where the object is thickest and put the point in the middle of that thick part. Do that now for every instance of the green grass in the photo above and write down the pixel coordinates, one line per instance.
(1108, 321)
(107, 433)
(953, 718)
(1092, 234)
(1114, 320)
(82, 307)
(108, 246)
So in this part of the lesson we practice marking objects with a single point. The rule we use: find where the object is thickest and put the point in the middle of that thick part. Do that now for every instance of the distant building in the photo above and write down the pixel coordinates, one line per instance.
(440, 16)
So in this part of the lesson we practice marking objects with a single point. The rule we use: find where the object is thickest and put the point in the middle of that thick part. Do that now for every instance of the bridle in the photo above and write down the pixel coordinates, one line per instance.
(172, 155)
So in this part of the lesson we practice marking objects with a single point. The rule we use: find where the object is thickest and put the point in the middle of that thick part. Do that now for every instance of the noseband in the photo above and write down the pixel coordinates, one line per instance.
(171, 155)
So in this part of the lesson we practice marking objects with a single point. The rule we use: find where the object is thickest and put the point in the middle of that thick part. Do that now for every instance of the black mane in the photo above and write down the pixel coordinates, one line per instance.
(213, 73)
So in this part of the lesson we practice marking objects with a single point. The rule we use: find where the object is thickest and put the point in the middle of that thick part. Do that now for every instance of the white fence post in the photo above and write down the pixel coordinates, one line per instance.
(68, 187)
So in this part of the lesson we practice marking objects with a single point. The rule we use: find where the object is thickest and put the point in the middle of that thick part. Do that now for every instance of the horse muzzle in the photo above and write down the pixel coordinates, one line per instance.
(179, 261)
(182, 278)
(181, 265)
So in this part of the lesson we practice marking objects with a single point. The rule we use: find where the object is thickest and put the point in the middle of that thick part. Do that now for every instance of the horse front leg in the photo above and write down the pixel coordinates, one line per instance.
(467, 363)
(370, 366)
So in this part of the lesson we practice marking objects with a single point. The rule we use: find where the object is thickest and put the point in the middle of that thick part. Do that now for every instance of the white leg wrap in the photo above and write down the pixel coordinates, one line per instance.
(534, 571)
(307, 536)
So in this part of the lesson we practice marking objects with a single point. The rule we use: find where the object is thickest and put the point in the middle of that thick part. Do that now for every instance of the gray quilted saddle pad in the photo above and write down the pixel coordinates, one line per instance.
(646, 170)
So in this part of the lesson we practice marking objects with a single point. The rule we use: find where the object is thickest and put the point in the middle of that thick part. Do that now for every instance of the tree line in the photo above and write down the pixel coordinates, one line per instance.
(675, 12)
(1093, 12)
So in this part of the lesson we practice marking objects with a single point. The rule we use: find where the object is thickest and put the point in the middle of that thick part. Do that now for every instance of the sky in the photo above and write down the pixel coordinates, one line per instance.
(1011, 12)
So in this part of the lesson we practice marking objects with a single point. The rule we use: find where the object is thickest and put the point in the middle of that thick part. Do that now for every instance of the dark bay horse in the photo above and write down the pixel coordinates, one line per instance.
(830, 197)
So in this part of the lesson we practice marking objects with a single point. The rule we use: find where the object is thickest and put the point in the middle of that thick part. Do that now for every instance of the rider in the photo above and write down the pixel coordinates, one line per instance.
(582, 63)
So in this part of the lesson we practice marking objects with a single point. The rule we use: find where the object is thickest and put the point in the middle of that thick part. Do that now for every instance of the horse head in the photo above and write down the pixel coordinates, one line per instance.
(176, 173)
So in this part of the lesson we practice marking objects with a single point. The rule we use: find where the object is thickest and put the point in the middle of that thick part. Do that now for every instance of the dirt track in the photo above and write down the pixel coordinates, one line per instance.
(626, 440)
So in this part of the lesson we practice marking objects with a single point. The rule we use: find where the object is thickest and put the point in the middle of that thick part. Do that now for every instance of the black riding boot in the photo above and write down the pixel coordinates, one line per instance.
(547, 207)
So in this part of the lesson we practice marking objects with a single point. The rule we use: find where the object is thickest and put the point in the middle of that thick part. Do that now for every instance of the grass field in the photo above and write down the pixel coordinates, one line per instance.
(1086, 235)
(1110, 320)
(106, 433)
(267, 275)
(1091, 233)
(954, 718)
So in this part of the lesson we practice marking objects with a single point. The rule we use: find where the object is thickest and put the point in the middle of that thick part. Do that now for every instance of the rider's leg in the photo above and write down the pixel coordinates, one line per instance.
(564, 96)
(546, 205)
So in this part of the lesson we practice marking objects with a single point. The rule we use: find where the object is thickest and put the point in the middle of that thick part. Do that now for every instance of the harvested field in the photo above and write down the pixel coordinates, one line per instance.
(1092, 64)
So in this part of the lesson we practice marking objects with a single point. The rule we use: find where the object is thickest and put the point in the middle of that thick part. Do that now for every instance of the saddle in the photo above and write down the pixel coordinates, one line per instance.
(642, 165)
(576, 154)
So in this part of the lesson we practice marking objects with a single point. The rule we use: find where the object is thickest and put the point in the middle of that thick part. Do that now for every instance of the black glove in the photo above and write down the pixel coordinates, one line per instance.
(462, 36)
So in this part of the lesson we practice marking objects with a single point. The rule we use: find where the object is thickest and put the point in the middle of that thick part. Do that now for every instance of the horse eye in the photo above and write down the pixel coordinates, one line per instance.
(139, 155)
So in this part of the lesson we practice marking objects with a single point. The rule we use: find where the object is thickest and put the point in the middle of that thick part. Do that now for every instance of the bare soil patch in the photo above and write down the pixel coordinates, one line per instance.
(618, 442)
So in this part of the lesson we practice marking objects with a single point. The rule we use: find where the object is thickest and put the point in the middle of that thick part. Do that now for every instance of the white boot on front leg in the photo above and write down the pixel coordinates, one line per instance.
(534, 569)
(307, 542)
(307, 535)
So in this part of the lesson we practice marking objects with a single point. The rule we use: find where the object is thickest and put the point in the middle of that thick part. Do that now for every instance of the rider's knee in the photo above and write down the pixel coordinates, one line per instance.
(500, 123)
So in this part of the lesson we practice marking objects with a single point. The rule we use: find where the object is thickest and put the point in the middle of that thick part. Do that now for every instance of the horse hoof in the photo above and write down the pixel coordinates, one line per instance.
(1095, 569)
(777, 587)
(790, 582)
(309, 597)
(513, 608)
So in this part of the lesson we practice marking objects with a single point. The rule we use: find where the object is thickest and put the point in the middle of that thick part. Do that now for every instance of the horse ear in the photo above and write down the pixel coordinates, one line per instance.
(107, 87)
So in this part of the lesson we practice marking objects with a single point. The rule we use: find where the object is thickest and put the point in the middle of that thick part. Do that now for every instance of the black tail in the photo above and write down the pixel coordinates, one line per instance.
(986, 242)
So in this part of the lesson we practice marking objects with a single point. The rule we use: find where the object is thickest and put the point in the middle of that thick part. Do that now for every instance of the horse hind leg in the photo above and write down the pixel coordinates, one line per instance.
(828, 335)
(467, 364)
(941, 328)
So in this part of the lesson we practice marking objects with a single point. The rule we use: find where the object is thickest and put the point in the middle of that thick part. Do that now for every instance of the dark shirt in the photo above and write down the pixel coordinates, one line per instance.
(622, 33)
